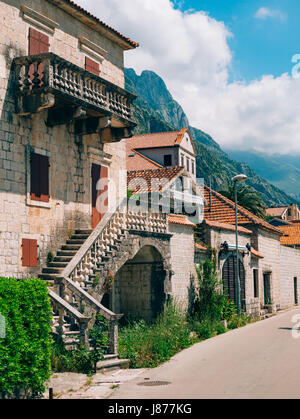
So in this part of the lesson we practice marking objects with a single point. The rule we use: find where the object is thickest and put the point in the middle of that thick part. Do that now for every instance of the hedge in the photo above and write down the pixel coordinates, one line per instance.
(26, 348)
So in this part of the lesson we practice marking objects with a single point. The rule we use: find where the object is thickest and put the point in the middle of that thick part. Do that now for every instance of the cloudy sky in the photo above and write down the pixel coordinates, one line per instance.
(227, 62)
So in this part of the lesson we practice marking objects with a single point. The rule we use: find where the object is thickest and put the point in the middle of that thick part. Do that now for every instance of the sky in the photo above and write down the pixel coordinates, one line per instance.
(227, 62)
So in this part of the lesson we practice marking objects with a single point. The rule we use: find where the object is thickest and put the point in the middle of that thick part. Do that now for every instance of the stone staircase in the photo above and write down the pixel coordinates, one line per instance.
(79, 275)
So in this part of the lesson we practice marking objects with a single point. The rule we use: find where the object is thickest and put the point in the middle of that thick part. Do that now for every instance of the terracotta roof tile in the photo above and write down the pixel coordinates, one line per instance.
(137, 161)
(180, 219)
(222, 210)
(224, 226)
(146, 181)
(291, 235)
(200, 247)
(157, 139)
(257, 254)
(61, 3)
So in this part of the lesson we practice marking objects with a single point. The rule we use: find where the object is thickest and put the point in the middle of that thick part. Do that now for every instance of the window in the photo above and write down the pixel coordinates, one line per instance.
(92, 66)
(39, 177)
(255, 283)
(182, 160)
(296, 291)
(193, 167)
(168, 160)
(188, 164)
(38, 42)
(29, 253)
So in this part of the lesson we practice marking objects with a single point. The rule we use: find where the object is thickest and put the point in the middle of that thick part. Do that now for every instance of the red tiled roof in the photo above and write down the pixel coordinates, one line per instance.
(200, 247)
(137, 161)
(229, 227)
(291, 235)
(154, 180)
(256, 254)
(68, 4)
(222, 210)
(157, 139)
(180, 219)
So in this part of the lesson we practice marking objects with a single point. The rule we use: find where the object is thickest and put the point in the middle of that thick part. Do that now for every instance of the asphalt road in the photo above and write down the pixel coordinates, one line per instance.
(261, 360)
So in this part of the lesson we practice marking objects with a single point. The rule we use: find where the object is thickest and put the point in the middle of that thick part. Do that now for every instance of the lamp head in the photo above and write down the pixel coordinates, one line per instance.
(239, 178)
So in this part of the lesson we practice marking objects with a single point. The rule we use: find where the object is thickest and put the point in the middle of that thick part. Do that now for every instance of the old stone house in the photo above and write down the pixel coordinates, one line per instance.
(285, 213)
(65, 117)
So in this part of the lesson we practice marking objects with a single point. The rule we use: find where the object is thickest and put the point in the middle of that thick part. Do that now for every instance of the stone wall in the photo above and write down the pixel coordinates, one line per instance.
(182, 262)
(70, 157)
(289, 269)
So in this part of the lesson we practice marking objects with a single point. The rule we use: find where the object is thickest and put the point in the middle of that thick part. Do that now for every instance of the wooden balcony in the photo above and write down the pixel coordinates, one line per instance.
(70, 93)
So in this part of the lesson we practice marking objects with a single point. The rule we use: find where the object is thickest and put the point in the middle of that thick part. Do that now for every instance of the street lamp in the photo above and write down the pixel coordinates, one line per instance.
(237, 179)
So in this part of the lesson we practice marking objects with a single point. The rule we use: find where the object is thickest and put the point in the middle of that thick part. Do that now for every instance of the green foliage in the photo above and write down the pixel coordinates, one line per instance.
(229, 309)
(82, 360)
(208, 302)
(25, 351)
(204, 329)
(238, 321)
(148, 345)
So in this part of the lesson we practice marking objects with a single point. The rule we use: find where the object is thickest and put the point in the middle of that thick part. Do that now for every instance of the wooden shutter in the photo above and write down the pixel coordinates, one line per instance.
(39, 177)
(29, 253)
(92, 66)
(38, 42)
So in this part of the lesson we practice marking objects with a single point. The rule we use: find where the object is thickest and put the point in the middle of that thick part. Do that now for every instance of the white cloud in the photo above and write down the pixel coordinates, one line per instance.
(190, 52)
(264, 13)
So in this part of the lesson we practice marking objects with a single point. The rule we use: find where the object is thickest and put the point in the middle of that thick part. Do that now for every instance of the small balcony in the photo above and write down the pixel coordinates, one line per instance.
(71, 93)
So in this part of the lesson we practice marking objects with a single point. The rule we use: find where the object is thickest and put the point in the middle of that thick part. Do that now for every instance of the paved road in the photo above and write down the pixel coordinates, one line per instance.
(261, 360)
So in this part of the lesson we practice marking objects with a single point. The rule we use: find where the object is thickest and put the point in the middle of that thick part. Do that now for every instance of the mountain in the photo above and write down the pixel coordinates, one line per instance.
(281, 170)
(155, 110)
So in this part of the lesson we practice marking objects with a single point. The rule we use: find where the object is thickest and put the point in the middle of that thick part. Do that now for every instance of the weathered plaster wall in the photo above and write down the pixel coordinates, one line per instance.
(289, 269)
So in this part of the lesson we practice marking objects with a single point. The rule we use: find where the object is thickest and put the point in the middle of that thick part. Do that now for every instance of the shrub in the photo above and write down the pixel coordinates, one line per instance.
(148, 345)
(25, 350)
(203, 329)
(208, 302)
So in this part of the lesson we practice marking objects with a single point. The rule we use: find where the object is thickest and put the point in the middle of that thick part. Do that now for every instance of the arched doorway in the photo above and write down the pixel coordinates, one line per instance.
(138, 290)
(229, 279)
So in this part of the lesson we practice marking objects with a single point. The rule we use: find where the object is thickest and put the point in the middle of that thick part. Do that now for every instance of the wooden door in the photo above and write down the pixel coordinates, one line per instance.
(99, 193)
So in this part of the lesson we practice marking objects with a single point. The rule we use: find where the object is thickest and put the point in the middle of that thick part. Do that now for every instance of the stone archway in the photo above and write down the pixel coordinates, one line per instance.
(139, 286)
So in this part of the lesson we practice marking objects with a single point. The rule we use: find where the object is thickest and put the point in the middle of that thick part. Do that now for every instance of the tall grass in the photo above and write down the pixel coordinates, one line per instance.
(148, 345)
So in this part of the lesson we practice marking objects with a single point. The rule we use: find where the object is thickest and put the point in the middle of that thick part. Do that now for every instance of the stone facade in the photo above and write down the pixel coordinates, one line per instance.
(289, 276)
(70, 156)
(182, 261)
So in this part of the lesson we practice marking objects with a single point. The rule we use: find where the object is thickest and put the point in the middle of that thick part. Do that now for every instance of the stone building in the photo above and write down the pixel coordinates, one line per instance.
(285, 213)
(64, 120)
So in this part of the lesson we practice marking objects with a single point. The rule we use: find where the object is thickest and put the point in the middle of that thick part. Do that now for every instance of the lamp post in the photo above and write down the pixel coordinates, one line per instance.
(237, 179)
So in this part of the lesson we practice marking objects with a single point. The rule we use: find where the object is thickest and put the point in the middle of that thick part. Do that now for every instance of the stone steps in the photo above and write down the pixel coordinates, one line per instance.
(111, 364)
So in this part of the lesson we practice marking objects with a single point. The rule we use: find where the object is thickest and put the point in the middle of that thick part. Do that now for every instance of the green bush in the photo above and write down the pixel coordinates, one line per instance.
(148, 345)
(25, 350)
(203, 329)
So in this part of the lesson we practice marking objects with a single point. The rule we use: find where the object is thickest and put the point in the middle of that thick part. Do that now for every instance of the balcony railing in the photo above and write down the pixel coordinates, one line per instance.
(49, 73)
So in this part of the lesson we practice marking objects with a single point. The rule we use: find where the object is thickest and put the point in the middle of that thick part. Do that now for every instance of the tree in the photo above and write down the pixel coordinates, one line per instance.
(247, 198)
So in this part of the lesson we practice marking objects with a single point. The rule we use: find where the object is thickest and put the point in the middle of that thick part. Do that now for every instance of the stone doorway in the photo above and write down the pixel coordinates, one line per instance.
(138, 290)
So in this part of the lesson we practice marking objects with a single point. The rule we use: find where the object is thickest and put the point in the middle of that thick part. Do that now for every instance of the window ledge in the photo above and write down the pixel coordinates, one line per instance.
(32, 203)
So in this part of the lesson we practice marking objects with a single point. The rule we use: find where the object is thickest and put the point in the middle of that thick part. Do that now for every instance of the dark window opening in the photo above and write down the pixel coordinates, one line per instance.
(168, 160)
(188, 165)
(193, 168)
(296, 291)
(39, 178)
(255, 283)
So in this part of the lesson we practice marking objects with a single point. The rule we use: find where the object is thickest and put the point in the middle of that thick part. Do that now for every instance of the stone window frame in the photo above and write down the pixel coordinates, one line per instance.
(38, 20)
(31, 202)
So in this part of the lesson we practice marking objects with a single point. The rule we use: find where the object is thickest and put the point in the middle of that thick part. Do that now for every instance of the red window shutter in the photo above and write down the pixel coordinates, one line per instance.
(29, 253)
(38, 42)
(92, 66)
(25, 252)
(33, 253)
